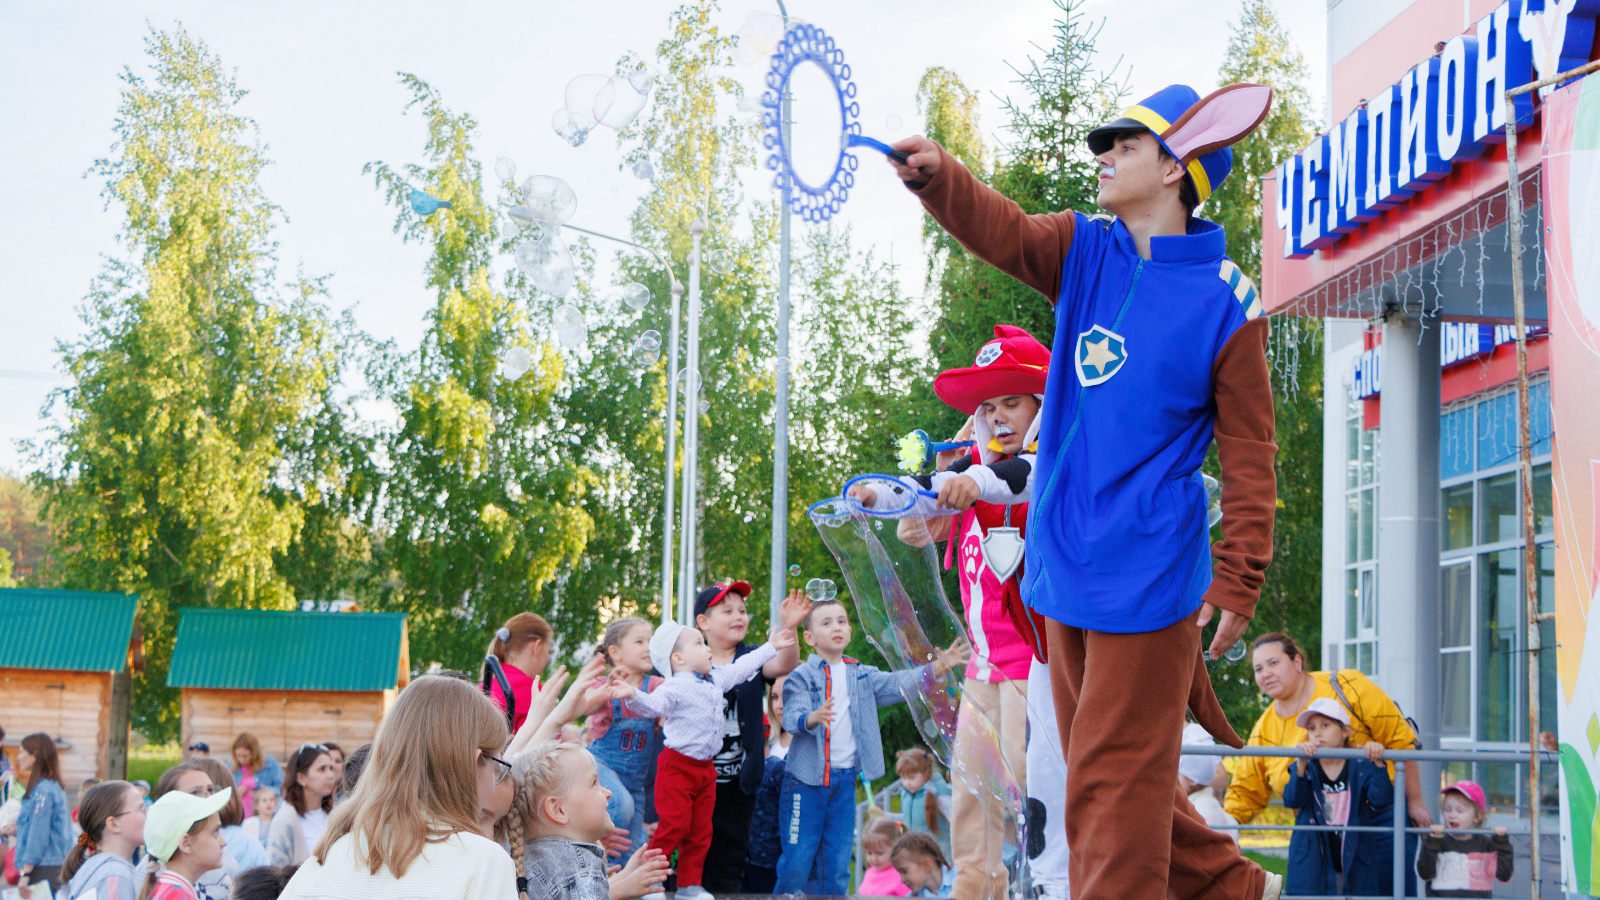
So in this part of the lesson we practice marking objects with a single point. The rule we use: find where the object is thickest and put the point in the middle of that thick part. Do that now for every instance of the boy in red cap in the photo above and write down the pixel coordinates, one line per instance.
(1160, 350)
(981, 496)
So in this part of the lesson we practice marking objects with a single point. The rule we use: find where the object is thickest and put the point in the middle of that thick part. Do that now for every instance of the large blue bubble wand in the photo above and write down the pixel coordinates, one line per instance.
(814, 202)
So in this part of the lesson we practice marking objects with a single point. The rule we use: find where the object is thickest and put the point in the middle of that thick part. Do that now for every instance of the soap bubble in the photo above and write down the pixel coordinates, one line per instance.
(1236, 652)
(720, 261)
(820, 589)
(509, 231)
(705, 406)
(521, 215)
(642, 78)
(893, 122)
(1213, 500)
(781, 365)
(571, 330)
(569, 129)
(550, 201)
(651, 339)
(515, 362)
(750, 104)
(623, 106)
(548, 264)
(794, 571)
(588, 97)
(505, 169)
(645, 357)
(685, 379)
(758, 36)
(643, 171)
(636, 295)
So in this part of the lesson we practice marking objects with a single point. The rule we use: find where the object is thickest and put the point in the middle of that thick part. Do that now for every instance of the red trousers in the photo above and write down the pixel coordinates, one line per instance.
(686, 793)
(1133, 835)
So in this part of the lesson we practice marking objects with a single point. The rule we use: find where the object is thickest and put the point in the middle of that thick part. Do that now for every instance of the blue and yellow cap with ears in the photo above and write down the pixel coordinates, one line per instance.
(1197, 131)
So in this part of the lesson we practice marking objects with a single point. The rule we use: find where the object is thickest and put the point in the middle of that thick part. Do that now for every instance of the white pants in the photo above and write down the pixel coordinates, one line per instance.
(1047, 789)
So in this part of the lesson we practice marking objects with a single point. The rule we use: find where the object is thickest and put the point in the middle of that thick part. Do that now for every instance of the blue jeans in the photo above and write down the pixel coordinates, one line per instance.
(625, 807)
(817, 828)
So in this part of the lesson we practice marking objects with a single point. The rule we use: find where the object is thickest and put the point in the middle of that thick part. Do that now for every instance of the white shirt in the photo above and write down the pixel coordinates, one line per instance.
(464, 866)
(777, 750)
(841, 735)
(312, 825)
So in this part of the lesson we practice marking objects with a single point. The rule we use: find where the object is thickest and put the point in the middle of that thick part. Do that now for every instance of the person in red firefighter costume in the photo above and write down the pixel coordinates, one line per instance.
(1160, 349)
(981, 495)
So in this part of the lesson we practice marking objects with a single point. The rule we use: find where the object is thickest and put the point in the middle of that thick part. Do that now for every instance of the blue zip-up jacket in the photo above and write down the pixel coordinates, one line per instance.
(1152, 360)
(44, 826)
(1367, 857)
(805, 689)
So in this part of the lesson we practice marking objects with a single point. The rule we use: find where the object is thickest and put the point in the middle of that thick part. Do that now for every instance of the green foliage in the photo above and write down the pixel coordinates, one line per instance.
(200, 387)
(1291, 599)
(481, 508)
(25, 533)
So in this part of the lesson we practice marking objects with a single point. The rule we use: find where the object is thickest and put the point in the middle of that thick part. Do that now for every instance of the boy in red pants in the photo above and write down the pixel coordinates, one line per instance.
(691, 703)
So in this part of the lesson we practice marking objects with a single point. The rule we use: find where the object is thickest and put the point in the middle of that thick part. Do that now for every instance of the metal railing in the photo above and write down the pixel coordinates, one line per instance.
(1398, 826)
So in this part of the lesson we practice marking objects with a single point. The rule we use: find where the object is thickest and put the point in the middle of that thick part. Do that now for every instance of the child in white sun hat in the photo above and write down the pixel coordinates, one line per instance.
(183, 834)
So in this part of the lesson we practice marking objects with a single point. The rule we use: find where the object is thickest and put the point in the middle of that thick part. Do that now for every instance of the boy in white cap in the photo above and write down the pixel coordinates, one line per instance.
(691, 703)
(184, 833)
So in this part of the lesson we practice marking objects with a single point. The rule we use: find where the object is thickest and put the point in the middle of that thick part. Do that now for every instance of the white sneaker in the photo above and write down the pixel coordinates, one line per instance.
(1274, 888)
(655, 895)
(693, 892)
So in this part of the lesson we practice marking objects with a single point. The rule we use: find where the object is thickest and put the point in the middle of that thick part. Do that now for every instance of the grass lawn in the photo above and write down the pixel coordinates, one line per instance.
(149, 762)
(1271, 863)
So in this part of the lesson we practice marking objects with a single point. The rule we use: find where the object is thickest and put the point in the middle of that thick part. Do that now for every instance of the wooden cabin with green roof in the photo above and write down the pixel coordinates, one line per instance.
(286, 677)
(66, 659)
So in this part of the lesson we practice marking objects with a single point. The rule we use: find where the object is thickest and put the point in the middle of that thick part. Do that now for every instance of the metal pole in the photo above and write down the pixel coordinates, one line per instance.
(780, 408)
(676, 289)
(1530, 552)
(1398, 861)
(691, 435)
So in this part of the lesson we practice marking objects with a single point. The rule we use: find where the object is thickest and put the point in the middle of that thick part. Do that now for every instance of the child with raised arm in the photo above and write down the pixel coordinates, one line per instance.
(690, 701)
(830, 705)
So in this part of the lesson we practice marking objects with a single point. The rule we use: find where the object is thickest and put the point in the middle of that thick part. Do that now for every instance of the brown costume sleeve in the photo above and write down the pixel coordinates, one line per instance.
(1030, 249)
(1245, 430)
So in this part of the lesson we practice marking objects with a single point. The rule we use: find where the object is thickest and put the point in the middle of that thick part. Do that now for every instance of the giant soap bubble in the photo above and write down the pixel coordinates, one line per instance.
(548, 264)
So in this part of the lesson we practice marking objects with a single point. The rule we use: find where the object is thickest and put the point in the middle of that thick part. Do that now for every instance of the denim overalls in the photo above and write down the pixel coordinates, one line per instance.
(622, 757)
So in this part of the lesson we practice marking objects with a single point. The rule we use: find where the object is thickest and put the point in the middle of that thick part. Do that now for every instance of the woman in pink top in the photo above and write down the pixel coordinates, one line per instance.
(522, 645)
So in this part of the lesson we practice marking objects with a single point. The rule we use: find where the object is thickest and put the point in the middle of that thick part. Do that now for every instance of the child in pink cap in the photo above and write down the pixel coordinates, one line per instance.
(1463, 865)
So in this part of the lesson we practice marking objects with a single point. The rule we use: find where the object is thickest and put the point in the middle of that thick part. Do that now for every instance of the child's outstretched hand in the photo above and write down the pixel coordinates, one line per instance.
(1438, 829)
(823, 713)
(645, 869)
(952, 657)
(1307, 748)
(863, 495)
(567, 709)
(793, 609)
(1499, 831)
(617, 686)
(922, 159)
(959, 492)
(783, 639)
(1374, 751)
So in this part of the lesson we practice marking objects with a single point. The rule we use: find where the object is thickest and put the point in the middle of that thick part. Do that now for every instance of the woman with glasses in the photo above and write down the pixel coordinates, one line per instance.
(308, 787)
(194, 779)
(101, 865)
(411, 826)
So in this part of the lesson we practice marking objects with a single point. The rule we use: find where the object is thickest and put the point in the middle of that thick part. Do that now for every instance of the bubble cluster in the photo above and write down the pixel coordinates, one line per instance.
(757, 37)
(647, 349)
(610, 100)
(548, 200)
(820, 589)
(794, 571)
(636, 296)
(571, 329)
(515, 362)
(720, 261)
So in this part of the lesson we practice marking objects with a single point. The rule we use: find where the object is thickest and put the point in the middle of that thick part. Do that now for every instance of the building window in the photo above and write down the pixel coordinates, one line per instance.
(1360, 639)
(1482, 610)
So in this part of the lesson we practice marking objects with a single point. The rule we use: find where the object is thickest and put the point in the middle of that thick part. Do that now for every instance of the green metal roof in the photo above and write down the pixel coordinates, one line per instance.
(81, 631)
(254, 649)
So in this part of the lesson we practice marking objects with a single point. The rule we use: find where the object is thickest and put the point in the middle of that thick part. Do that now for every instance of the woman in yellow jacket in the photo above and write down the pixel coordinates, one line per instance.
(1376, 723)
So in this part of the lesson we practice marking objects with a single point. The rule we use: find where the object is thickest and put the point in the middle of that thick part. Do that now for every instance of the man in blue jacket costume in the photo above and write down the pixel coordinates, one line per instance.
(1166, 351)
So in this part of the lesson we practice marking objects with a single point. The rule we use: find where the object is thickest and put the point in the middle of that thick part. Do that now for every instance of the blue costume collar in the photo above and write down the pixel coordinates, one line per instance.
(1204, 241)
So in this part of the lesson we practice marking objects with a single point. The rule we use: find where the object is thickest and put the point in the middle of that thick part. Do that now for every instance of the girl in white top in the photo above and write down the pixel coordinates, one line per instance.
(410, 829)
(308, 784)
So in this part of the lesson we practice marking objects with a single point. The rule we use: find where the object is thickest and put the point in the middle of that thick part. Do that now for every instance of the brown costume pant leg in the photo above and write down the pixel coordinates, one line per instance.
(1120, 700)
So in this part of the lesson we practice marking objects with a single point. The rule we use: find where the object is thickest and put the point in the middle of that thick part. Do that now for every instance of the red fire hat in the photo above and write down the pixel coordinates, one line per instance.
(1013, 363)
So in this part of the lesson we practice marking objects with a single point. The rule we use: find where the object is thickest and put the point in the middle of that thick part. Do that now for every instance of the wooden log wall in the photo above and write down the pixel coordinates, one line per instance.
(281, 720)
(74, 706)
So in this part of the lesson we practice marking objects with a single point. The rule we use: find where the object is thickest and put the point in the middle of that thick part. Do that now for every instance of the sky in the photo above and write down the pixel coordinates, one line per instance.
(324, 93)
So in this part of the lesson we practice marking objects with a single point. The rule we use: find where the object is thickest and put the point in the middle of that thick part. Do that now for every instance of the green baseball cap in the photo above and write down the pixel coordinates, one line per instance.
(171, 817)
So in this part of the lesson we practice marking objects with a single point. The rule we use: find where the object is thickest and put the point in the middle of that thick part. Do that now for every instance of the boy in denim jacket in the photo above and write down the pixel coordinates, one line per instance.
(830, 706)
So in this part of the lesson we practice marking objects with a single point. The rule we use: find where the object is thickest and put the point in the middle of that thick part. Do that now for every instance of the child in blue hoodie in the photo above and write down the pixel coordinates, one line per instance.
(1338, 792)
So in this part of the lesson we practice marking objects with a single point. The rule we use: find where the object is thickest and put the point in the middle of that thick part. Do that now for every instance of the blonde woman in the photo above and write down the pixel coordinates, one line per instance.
(410, 828)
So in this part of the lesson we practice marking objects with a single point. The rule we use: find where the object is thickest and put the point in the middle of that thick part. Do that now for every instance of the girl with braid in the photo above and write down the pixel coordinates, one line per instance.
(101, 865)
(558, 817)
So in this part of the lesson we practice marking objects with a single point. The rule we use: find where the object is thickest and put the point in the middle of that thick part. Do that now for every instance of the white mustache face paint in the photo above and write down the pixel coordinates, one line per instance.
(1003, 430)
(1108, 171)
